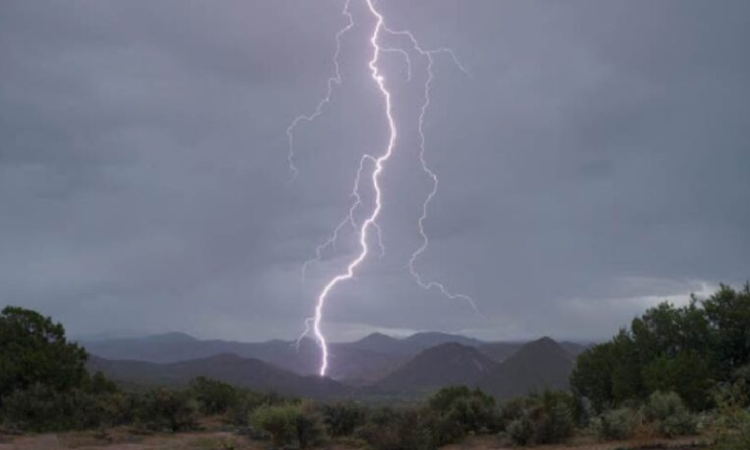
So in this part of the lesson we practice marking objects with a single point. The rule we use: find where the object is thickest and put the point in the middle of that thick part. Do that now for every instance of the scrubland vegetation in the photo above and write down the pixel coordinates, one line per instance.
(675, 371)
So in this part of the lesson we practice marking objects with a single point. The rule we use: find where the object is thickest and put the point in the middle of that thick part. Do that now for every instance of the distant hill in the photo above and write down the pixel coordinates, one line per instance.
(574, 348)
(245, 372)
(442, 365)
(537, 365)
(347, 362)
(378, 342)
(170, 337)
(500, 351)
(411, 345)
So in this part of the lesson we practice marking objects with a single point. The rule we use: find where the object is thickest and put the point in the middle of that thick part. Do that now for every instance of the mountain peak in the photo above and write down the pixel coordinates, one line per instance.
(174, 336)
(377, 337)
(442, 365)
(537, 365)
(544, 342)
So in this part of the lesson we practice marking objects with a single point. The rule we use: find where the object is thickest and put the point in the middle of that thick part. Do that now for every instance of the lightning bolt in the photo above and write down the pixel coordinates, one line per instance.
(378, 164)
(427, 285)
(334, 80)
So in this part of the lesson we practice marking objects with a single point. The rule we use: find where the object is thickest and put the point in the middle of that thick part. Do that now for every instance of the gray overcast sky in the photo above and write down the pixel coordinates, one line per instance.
(596, 162)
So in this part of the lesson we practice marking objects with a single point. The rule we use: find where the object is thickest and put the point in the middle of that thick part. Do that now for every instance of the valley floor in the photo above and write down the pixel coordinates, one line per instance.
(213, 440)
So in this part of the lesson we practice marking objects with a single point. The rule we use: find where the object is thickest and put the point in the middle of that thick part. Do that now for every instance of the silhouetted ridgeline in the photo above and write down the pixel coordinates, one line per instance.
(419, 363)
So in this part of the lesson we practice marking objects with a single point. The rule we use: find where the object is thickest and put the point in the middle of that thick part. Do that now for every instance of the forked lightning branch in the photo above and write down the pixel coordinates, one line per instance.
(371, 167)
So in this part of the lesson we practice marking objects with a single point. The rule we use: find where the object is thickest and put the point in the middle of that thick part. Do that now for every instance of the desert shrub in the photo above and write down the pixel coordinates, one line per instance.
(515, 408)
(474, 415)
(41, 408)
(554, 422)
(616, 424)
(670, 415)
(407, 429)
(213, 396)
(735, 391)
(290, 424)
(416, 429)
(444, 429)
(470, 411)
(162, 409)
(37, 408)
(99, 384)
(458, 410)
(246, 401)
(276, 421)
(545, 418)
(733, 429)
(521, 430)
(443, 399)
(309, 426)
(380, 431)
(341, 419)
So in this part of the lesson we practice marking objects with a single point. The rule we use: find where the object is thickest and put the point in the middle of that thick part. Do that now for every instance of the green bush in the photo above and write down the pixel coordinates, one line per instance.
(277, 421)
(470, 411)
(341, 419)
(290, 424)
(670, 415)
(442, 400)
(554, 422)
(406, 429)
(733, 429)
(309, 426)
(40, 408)
(246, 401)
(521, 430)
(616, 424)
(37, 408)
(162, 409)
(545, 418)
(380, 431)
(213, 396)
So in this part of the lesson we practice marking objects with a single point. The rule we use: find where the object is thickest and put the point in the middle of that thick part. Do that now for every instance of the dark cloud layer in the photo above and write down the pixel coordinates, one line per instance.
(594, 163)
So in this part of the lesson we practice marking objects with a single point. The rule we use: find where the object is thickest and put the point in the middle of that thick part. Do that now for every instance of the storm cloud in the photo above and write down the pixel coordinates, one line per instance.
(595, 163)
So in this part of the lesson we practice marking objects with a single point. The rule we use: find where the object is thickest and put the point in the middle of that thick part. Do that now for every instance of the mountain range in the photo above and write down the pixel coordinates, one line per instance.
(244, 372)
(419, 363)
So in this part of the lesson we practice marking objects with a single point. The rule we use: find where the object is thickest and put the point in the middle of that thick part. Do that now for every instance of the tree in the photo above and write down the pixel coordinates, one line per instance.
(682, 349)
(592, 376)
(728, 313)
(686, 374)
(33, 350)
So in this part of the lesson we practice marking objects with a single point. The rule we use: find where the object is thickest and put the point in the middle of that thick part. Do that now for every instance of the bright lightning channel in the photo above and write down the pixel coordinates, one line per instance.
(378, 163)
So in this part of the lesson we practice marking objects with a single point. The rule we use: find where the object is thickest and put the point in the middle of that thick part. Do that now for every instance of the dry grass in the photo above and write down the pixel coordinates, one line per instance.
(586, 443)
(124, 439)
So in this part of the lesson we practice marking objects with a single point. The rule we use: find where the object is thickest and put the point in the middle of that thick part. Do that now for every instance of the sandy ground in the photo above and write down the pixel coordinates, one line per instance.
(493, 443)
(212, 440)
(128, 441)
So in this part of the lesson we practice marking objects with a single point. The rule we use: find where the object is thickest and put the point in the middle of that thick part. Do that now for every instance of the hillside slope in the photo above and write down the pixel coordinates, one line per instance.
(244, 372)
(537, 365)
(442, 365)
